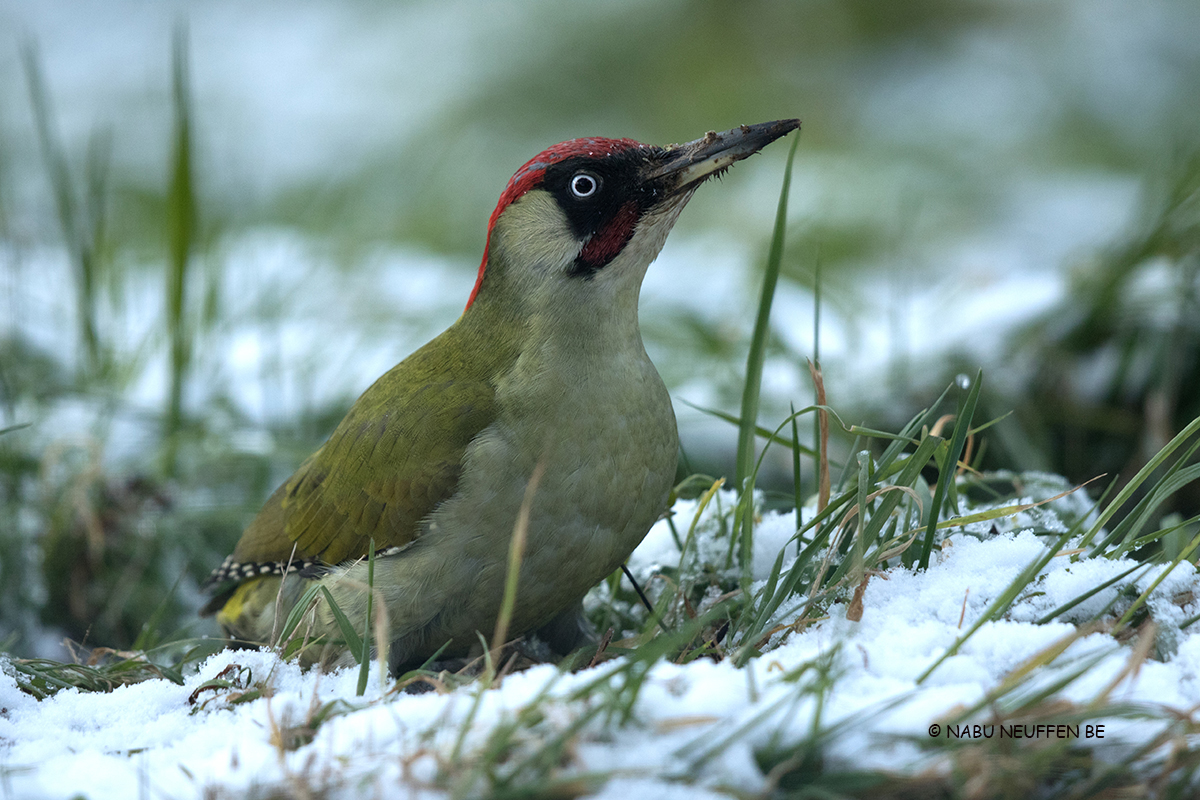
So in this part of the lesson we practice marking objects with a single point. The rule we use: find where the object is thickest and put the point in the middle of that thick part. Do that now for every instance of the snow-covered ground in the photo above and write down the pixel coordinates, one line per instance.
(694, 729)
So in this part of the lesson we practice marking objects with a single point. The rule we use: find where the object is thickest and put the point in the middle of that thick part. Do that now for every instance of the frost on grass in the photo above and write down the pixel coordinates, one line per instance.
(857, 689)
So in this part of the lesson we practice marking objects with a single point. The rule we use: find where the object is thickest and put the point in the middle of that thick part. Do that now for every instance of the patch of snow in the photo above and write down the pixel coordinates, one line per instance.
(693, 729)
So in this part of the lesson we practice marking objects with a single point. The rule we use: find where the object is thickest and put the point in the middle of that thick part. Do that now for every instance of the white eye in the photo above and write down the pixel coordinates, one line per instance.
(584, 184)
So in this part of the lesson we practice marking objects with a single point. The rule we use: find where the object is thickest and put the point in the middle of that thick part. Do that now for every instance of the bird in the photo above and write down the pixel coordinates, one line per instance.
(538, 403)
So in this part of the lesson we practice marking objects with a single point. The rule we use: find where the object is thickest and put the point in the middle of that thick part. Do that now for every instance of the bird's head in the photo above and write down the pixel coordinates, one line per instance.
(588, 216)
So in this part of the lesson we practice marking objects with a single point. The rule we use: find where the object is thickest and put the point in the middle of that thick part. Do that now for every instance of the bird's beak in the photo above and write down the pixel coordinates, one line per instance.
(682, 167)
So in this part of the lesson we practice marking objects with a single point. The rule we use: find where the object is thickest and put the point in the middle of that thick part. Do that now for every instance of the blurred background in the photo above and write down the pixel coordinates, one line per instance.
(220, 222)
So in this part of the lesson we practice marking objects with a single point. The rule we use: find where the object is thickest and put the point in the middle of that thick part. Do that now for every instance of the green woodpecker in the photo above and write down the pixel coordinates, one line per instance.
(545, 373)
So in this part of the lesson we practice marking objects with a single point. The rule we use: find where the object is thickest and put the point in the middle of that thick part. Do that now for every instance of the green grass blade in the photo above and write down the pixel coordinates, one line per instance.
(1125, 535)
(863, 489)
(364, 665)
(1161, 533)
(759, 430)
(890, 462)
(758, 341)
(181, 234)
(816, 359)
(1141, 477)
(349, 635)
(74, 229)
(962, 425)
(750, 393)
(797, 496)
(294, 617)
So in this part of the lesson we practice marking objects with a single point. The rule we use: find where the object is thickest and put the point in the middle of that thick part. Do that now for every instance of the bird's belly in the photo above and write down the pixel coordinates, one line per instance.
(604, 463)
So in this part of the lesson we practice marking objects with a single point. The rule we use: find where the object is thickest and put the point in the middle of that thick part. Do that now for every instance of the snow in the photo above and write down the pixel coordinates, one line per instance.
(694, 729)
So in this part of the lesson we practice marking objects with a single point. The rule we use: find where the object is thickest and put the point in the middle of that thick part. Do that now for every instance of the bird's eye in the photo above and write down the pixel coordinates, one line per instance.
(584, 184)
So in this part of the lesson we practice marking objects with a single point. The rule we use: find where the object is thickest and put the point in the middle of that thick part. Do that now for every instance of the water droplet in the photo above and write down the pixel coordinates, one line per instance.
(963, 381)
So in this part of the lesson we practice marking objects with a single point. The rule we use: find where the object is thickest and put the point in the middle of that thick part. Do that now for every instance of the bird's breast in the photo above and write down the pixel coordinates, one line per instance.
(601, 435)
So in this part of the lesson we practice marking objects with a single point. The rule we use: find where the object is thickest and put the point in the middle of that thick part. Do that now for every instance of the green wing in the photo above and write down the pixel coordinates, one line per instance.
(390, 462)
